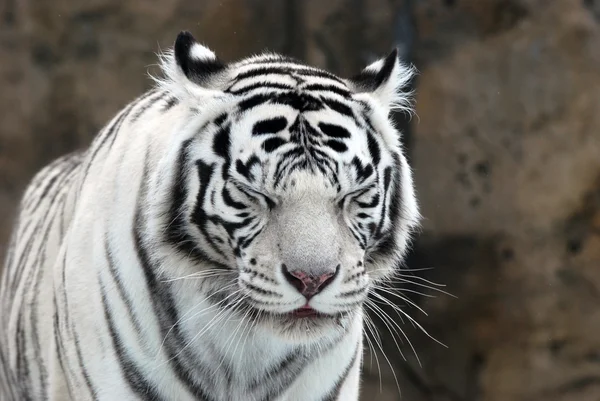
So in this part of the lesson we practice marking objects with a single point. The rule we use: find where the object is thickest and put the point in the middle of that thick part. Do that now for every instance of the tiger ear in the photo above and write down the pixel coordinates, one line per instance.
(386, 80)
(198, 63)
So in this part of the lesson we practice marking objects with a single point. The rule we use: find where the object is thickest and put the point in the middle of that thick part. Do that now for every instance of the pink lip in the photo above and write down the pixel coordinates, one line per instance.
(305, 311)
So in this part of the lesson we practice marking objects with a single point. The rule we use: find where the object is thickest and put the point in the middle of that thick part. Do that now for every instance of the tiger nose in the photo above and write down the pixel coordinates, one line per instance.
(307, 284)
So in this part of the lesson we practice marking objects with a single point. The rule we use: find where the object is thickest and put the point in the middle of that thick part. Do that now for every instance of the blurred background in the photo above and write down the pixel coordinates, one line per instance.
(505, 147)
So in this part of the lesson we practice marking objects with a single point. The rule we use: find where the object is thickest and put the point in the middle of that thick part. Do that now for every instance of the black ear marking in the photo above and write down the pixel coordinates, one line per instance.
(197, 70)
(371, 79)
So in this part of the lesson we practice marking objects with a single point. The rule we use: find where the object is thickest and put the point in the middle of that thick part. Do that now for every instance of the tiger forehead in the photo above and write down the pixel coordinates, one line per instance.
(304, 134)
(278, 72)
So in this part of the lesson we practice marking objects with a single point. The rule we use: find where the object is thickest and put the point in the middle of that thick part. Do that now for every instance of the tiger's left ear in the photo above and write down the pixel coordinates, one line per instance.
(386, 80)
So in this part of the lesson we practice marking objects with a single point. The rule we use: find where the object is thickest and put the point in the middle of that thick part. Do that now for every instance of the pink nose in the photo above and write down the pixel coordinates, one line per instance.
(307, 284)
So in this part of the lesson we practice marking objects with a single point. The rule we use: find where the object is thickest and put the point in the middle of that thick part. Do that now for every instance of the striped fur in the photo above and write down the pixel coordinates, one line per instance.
(152, 266)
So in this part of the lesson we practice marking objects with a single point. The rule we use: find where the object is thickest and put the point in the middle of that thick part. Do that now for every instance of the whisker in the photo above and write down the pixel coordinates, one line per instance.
(183, 210)
(388, 291)
(404, 335)
(368, 324)
(410, 318)
(407, 281)
(230, 340)
(202, 274)
(250, 329)
(433, 283)
(222, 314)
(390, 365)
(181, 319)
(384, 318)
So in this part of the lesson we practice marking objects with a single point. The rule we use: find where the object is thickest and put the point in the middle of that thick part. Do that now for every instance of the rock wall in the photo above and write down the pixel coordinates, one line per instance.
(506, 154)
(505, 148)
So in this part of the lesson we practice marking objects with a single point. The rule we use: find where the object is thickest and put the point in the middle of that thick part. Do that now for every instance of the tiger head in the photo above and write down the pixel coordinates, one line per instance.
(286, 185)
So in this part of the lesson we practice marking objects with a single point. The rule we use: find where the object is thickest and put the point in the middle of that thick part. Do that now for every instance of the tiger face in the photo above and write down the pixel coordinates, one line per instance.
(289, 179)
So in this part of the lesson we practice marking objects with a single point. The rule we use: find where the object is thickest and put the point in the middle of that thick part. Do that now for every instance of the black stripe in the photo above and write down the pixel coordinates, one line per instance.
(150, 102)
(259, 85)
(397, 198)
(176, 232)
(387, 178)
(42, 178)
(8, 382)
(52, 183)
(245, 242)
(164, 306)
(101, 140)
(222, 142)
(351, 293)
(220, 119)
(253, 101)
(293, 368)
(33, 286)
(111, 131)
(286, 70)
(132, 375)
(65, 305)
(334, 131)
(374, 202)
(269, 126)
(328, 88)
(334, 394)
(84, 371)
(170, 104)
(22, 367)
(32, 281)
(199, 216)
(273, 58)
(387, 241)
(362, 172)
(336, 145)
(298, 100)
(339, 107)
(271, 144)
(229, 201)
(114, 272)
(245, 169)
(60, 349)
(284, 364)
(23, 257)
(65, 178)
(373, 146)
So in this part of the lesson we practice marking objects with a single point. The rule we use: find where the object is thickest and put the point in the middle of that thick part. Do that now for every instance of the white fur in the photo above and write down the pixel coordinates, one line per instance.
(200, 52)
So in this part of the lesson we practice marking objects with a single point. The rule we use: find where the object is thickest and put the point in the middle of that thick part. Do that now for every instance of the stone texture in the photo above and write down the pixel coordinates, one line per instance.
(505, 148)
(506, 156)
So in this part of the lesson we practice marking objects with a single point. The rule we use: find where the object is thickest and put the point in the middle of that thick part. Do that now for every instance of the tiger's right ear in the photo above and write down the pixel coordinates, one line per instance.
(190, 70)
(386, 80)
(198, 63)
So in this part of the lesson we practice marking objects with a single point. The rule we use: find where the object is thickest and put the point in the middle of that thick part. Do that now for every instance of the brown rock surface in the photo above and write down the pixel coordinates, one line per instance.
(506, 152)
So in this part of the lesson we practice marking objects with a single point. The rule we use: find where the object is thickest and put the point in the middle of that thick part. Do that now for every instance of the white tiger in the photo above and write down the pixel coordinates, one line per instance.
(217, 240)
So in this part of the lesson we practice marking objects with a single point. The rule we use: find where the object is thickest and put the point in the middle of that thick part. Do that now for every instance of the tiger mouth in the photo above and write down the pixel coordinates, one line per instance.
(309, 315)
(305, 312)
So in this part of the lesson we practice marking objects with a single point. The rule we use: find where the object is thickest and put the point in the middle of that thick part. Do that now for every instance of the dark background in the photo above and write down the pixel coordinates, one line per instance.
(505, 148)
